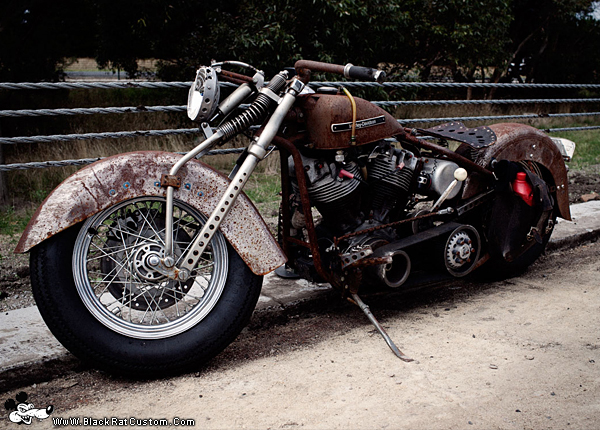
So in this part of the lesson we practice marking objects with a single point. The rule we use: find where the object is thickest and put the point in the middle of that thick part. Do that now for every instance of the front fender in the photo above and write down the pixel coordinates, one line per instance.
(126, 176)
(519, 142)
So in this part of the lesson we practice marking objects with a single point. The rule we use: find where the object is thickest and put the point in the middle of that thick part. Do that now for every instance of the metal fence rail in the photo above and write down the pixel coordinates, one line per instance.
(192, 131)
(84, 161)
(180, 84)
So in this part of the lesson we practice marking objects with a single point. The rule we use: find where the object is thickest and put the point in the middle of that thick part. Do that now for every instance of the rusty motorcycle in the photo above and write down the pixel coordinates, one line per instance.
(151, 263)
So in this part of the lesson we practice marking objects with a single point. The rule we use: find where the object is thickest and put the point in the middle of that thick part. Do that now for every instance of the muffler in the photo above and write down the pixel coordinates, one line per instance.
(438, 253)
(395, 273)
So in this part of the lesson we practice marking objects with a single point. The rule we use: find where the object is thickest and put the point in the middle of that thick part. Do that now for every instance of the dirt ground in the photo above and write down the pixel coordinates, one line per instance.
(516, 354)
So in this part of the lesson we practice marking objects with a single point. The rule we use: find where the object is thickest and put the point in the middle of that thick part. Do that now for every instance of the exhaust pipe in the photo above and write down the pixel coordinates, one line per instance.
(395, 273)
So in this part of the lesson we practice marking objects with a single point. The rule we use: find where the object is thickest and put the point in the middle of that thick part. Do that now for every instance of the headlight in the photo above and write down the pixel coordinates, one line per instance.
(203, 98)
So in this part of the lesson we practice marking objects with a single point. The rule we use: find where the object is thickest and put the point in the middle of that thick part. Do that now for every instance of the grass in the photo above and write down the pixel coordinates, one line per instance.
(14, 221)
(587, 149)
(263, 189)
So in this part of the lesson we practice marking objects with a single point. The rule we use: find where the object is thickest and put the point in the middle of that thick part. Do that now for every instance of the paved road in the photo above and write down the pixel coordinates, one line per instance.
(521, 353)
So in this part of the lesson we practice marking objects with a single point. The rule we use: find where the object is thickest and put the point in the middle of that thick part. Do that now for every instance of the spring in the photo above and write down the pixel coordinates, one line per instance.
(256, 113)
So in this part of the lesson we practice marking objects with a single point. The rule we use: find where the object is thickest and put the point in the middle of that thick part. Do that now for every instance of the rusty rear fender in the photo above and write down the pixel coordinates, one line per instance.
(126, 176)
(519, 142)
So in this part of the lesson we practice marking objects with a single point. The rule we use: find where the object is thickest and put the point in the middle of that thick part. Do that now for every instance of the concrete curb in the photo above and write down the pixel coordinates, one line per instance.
(29, 353)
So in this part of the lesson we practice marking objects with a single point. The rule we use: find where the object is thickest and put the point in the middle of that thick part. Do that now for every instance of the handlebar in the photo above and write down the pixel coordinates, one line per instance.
(304, 67)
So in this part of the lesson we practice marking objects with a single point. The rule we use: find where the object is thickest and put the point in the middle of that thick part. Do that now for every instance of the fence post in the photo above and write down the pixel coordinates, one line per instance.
(3, 186)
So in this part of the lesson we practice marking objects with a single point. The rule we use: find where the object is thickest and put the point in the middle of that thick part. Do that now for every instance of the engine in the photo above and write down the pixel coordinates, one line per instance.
(349, 190)
(366, 187)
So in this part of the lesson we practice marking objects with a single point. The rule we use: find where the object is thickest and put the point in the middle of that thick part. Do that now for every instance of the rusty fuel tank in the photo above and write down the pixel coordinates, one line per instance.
(328, 121)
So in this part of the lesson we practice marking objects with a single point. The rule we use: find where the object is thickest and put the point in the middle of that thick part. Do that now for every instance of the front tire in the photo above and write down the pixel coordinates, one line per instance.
(99, 296)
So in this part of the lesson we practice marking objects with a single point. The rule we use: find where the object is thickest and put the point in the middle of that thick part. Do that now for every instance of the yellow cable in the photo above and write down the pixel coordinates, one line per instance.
(353, 103)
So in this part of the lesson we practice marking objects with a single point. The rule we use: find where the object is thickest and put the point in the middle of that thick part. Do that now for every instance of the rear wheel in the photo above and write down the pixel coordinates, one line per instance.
(98, 292)
(518, 234)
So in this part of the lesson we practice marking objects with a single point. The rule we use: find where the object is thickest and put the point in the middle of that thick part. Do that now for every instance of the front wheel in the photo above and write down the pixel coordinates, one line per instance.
(98, 293)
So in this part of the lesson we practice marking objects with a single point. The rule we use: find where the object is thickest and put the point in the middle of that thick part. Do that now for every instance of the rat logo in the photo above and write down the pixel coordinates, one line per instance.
(24, 413)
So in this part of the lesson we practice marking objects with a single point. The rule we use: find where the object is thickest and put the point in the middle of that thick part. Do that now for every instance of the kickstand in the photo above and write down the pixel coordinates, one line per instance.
(380, 329)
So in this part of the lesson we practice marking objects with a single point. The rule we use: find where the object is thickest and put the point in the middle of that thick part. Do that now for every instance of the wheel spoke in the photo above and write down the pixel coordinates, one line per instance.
(149, 224)
(120, 286)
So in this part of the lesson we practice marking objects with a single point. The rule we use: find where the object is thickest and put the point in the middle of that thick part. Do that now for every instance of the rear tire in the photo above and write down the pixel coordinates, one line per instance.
(90, 280)
(498, 267)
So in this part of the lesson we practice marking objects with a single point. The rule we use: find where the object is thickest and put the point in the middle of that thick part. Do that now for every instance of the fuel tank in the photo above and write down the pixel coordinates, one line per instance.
(328, 120)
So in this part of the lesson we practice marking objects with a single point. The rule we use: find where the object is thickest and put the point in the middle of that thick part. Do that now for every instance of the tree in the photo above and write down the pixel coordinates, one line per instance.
(37, 37)
(453, 34)
(558, 39)
(460, 36)
(271, 35)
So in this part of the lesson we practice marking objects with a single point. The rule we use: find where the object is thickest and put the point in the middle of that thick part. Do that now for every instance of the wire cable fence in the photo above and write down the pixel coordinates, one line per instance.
(196, 131)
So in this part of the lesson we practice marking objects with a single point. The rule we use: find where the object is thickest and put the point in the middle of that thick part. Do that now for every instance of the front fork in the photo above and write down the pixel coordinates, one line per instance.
(256, 152)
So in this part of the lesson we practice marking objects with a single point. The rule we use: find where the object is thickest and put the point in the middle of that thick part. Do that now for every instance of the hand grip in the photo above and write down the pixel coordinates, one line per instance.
(303, 67)
(364, 73)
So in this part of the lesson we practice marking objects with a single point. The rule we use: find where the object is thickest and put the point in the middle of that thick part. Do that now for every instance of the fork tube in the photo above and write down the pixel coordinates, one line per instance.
(256, 152)
(200, 149)
(169, 250)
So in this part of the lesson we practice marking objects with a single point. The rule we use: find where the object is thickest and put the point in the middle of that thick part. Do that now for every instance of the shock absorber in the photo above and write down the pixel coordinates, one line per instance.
(257, 111)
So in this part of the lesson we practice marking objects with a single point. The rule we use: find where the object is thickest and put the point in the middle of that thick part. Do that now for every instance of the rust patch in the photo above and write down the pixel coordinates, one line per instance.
(170, 181)
(519, 142)
(321, 111)
(125, 176)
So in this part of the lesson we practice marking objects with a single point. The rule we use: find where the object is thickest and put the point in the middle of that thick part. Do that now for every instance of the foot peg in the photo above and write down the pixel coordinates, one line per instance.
(380, 329)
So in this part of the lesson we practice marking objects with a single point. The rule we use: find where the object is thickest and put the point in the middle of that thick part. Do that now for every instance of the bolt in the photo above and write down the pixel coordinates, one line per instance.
(183, 275)
(153, 260)
(168, 262)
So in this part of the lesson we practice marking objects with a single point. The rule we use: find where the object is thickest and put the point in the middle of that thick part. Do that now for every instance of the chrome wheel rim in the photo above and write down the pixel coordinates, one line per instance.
(113, 261)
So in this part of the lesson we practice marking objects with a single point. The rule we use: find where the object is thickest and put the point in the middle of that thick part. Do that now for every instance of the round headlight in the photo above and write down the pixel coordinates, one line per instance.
(203, 98)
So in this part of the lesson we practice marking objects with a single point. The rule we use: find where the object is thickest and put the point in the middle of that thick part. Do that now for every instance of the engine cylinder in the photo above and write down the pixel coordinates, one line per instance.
(390, 176)
(337, 197)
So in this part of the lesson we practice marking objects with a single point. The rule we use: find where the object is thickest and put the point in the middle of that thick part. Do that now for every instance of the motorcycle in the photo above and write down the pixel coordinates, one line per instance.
(151, 263)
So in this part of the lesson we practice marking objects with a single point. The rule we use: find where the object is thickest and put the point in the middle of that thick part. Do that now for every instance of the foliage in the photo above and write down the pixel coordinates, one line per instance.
(38, 37)
(12, 222)
(402, 33)
(458, 36)
(558, 40)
